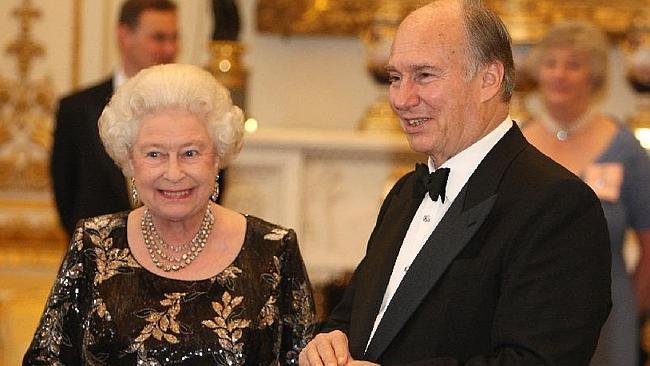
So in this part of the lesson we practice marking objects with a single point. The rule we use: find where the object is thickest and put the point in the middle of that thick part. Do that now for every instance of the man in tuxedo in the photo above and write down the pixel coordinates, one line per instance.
(492, 254)
(86, 181)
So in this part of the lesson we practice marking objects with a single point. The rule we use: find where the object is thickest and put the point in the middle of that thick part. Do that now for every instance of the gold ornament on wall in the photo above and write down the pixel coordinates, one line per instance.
(26, 110)
(226, 65)
(340, 17)
(29, 230)
(527, 20)
(227, 51)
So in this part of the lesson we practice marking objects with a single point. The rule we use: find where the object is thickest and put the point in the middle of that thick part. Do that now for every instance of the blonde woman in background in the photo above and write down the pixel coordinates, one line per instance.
(570, 64)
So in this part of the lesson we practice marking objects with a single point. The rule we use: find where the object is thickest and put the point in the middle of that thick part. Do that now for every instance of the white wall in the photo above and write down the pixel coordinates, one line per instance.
(305, 81)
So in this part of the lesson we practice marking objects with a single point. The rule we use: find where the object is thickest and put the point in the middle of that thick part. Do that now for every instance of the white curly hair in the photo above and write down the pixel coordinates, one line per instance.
(177, 86)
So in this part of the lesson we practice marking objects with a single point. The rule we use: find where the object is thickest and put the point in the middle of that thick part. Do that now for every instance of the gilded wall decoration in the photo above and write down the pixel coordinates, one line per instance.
(526, 19)
(26, 110)
(27, 218)
(25, 134)
(340, 17)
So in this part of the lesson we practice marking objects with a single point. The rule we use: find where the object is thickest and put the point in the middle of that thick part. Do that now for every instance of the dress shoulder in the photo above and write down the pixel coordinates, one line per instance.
(103, 225)
(260, 228)
(103, 222)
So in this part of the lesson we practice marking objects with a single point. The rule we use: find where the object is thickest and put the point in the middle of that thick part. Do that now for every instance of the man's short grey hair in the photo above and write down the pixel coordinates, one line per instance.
(186, 88)
(489, 41)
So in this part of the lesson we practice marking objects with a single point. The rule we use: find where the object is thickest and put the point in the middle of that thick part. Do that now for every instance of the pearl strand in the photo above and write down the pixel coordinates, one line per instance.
(562, 133)
(155, 244)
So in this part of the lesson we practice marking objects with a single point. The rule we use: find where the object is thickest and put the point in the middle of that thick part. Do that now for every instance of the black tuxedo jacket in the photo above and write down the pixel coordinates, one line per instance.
(516, 273)
(86, 180)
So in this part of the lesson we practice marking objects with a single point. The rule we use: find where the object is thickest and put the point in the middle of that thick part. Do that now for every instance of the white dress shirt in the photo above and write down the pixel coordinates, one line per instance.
(119, 78)
(430, 212)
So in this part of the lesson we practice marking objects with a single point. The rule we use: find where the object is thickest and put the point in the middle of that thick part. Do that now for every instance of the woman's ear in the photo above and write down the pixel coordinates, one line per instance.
(492, 79)
(129, 162)
(216, 162)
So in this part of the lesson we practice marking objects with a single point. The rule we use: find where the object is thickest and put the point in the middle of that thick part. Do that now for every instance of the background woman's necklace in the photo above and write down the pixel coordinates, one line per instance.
(155, 244)
(562, 133)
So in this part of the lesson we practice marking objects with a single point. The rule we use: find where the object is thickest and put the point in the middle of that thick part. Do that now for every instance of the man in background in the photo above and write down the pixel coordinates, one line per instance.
(86, 181)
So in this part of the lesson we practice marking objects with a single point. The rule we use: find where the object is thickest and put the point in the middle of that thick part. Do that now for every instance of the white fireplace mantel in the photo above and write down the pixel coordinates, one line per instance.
(326, 184)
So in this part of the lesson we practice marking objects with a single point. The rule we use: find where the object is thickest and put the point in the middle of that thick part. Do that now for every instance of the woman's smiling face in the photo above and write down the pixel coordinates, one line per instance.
(174, 165)
(565, 77)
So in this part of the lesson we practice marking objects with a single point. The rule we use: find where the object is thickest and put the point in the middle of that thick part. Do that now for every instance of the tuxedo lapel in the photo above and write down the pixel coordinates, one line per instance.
(378, 265)
(465, 216)
(450, 237)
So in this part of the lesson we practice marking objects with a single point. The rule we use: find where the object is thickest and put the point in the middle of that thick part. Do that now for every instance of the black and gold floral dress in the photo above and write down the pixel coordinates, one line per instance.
(105, 309)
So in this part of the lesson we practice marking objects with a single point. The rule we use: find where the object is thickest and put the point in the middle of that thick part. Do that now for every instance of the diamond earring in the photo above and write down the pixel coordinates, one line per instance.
(134, 194)
(215, 193)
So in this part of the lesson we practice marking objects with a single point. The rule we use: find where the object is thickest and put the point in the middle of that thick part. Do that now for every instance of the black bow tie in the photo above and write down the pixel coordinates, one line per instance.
(435, 183)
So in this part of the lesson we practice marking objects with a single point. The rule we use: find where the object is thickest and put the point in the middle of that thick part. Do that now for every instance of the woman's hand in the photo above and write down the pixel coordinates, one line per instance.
(326, 349)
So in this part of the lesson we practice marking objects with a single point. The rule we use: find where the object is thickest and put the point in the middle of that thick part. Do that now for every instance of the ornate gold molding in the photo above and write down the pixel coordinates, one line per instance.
(26, 110)
(225, 63)
(526, 19)
(341, 17)
(28, 223)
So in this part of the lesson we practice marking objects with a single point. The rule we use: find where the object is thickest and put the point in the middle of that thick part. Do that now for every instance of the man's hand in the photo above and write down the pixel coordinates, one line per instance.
(326, 349)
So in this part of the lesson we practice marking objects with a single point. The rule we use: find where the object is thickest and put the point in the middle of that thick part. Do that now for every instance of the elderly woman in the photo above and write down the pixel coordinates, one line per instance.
(180, 280)
(570, 65)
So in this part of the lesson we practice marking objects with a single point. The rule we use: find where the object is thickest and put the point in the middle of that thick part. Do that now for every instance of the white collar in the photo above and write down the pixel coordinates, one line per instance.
(464, 163)
(119, 77)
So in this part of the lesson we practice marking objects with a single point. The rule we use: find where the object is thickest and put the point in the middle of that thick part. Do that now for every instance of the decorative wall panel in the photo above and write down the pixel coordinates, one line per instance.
(327, 185)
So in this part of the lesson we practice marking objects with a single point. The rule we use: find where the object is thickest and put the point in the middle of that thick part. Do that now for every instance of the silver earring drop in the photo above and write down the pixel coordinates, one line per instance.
(215, 194)
(134, 194)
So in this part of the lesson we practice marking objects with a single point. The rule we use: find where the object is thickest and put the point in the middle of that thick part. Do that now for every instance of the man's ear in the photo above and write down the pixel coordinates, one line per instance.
(492, 79)
(123, 34)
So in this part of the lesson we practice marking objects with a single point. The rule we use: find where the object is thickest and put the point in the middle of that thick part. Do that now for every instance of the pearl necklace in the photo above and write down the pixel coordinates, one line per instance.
(562, 133)
(155, 244)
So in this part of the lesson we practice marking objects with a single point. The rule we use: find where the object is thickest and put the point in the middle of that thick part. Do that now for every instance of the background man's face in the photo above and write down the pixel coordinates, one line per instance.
(154, 41)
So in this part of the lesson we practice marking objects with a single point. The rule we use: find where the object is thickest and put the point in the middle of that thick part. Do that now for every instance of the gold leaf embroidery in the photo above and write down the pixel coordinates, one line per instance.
(110, 261)
(227, 276)
(157, 333)
(276, 234)
(171, 338)
(160, 323)
(229, 330)
(210, 324)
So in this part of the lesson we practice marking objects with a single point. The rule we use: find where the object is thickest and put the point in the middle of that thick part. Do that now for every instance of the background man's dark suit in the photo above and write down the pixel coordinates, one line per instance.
(516, 271)
(86, 181)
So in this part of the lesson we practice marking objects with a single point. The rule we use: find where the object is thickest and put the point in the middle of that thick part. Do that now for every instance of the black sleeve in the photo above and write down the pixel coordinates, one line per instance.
(64, 162)
(58, 338)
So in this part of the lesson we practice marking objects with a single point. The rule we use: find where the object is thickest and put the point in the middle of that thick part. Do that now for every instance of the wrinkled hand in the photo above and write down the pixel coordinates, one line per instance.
(329, 349)
(326, 349)
(361, 363)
